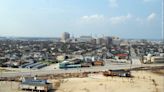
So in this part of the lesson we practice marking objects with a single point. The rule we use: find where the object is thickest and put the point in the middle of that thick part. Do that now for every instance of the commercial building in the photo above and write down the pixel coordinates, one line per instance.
(153, 59)
(122, 56)
(157, 59)
(85, 39)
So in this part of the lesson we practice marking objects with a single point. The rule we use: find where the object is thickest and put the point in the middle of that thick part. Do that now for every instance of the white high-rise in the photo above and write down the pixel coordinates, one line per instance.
(65, 37)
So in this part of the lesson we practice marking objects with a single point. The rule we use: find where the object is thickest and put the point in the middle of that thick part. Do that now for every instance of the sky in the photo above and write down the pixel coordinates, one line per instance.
(141, 19)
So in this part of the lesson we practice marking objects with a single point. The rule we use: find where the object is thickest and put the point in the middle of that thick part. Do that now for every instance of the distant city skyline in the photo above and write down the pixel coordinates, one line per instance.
(139, 19)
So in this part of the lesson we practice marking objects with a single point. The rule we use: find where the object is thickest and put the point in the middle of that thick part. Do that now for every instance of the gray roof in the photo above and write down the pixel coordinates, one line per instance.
(35, 82)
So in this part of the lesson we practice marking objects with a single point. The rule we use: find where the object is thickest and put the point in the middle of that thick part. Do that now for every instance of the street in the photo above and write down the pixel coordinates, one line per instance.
(75, 70)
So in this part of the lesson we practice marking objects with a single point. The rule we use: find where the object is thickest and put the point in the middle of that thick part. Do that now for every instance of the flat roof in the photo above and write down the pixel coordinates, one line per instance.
(35, 82)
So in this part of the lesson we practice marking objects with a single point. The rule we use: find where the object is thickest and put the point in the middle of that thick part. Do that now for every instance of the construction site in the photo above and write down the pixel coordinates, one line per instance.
(138, 80)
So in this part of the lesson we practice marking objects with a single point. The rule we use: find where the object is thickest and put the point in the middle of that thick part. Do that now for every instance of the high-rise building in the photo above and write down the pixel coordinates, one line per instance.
(100, 41)
(108, 41)
(116, 41)
(65, 37)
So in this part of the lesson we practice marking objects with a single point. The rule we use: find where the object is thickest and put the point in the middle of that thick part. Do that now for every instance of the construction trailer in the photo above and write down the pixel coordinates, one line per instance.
(35, 85)
(120, 73)
(98, 63)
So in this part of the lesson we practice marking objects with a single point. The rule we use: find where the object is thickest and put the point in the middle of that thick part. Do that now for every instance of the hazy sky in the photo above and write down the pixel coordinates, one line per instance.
(49, 18)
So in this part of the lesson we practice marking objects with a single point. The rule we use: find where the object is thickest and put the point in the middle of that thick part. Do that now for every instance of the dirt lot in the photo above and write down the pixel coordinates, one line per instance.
(143, 81)
(6, 86)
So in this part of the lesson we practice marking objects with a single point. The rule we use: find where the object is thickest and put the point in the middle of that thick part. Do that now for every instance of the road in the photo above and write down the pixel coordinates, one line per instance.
(134, 58)
(74, 70)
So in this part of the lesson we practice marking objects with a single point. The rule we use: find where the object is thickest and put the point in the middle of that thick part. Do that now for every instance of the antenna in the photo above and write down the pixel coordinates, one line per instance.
(163, 21)
(95, 35)
(103, 35)
(72, 35)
